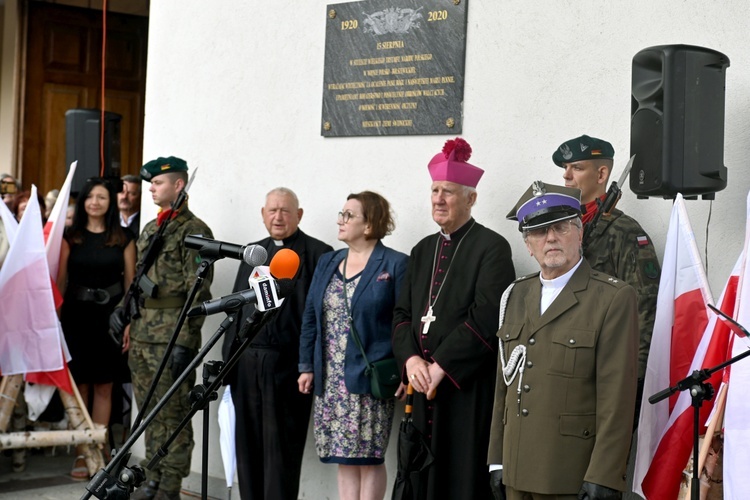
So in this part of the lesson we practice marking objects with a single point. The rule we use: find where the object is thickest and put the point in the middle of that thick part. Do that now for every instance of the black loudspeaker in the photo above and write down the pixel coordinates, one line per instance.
(82, 140)
(677, 122)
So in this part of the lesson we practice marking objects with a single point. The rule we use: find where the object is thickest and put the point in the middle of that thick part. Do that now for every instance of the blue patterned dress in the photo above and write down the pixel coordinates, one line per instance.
(350, 429)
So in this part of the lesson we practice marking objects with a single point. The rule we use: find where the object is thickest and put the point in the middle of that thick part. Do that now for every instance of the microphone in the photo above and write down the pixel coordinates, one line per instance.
(253, 255)
(265, 293)
(284, 264)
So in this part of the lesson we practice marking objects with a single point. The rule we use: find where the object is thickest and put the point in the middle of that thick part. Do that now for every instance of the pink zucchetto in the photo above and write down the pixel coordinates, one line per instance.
(450, 164)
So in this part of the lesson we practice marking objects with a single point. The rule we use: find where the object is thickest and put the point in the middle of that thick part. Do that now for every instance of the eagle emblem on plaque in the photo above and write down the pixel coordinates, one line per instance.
(392, 20)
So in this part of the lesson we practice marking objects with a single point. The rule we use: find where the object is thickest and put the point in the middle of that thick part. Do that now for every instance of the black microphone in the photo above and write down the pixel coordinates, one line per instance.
(265, 300)
(253, 255)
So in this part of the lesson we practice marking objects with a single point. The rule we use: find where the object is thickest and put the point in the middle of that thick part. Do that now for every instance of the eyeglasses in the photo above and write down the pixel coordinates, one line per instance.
(344, 217)
(560, 229)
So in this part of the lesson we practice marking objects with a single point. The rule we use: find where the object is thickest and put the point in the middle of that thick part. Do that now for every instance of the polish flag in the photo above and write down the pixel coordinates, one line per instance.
(29, 328)
(686, 337)
(54, 230)
(737, 412)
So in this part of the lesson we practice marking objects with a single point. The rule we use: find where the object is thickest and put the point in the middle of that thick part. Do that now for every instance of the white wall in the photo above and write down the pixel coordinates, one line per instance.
(236, 90)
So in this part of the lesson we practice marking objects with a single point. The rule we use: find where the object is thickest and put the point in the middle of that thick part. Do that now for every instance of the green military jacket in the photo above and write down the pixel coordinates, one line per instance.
(619, 246)
(174, 272)
(567, 418)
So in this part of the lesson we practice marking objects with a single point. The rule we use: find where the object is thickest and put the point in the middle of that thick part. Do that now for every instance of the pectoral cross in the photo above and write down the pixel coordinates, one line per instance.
(427, 319)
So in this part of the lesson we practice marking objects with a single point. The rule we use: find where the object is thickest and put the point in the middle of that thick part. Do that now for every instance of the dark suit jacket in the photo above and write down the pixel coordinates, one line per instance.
(372, 312)
(135, 225)
(282, 333)
(574, 419)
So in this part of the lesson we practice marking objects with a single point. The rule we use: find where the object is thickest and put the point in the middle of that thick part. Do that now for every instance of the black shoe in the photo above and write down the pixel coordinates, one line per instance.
(146, 492)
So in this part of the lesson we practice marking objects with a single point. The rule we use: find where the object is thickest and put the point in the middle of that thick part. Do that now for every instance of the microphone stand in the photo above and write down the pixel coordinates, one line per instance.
(102, 483)
(699, 392)
(214, 373)
(104, 486)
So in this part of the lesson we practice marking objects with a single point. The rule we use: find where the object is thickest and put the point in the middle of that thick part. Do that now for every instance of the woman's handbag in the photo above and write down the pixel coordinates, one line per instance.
(384, 377)
(383, 374)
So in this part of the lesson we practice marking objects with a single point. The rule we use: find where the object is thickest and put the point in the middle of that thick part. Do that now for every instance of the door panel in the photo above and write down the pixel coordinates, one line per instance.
(56, 100)
(64, 72)
(130, 106)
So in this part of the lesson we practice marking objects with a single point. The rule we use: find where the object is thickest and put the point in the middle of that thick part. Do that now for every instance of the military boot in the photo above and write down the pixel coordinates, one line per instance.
(166, 495)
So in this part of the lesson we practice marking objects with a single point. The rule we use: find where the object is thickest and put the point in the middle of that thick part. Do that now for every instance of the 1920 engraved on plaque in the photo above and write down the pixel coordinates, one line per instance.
(394, 67)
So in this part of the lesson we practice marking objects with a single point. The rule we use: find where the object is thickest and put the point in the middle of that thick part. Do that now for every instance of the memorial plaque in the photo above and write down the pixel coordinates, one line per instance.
(394, 67)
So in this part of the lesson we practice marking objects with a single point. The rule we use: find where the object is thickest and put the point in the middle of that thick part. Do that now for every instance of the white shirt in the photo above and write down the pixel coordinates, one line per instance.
(126, 223)
(552, 288)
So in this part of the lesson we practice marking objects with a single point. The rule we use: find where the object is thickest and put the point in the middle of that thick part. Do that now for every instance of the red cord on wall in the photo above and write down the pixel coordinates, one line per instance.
(101, 119)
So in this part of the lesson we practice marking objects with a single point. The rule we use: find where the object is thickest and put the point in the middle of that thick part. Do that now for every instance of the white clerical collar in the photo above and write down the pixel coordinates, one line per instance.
(458, 232)
(278, 243)
(552, 288)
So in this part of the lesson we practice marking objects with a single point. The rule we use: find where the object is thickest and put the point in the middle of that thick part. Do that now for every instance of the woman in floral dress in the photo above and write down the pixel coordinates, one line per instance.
(352, 427)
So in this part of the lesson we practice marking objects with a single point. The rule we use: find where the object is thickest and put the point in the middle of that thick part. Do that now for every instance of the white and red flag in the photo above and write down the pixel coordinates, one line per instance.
(30, 330)
(737, 412)
(686, 337)
(54, 230)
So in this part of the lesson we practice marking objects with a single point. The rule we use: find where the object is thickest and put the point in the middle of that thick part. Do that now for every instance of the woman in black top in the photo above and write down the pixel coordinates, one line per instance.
(96, 267)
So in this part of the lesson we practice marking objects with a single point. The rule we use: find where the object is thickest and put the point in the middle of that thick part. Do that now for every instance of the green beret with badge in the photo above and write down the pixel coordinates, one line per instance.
(583, 148)
(162, 166)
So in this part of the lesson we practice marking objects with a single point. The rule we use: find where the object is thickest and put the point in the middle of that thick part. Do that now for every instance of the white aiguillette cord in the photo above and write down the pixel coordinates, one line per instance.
(514, 366)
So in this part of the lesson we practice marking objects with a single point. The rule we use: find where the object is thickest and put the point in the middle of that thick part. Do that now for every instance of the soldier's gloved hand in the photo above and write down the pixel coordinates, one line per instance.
(591, 491)
(496, 484)
(180, 359)
(118, 320)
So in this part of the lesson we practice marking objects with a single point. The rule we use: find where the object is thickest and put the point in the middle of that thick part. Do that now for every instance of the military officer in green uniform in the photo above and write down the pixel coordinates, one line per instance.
(618, 245)
(174, 273)
(567, 367)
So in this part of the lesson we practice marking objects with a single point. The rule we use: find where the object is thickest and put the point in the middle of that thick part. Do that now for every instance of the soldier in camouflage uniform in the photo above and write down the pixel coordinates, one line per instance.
(618, 245)
(174, 273)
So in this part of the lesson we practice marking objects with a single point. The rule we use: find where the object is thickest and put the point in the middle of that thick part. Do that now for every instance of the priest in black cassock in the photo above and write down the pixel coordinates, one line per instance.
(444, 329)
(272, 415)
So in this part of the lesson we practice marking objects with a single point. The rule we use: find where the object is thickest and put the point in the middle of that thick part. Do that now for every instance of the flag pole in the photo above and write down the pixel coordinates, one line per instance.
(711, 429)
(9, 389)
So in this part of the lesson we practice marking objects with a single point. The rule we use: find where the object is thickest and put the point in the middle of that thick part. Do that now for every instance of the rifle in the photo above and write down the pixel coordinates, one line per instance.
(141, 283)
(606, 206)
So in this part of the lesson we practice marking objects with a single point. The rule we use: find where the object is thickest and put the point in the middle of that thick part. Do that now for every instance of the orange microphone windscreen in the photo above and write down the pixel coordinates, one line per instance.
(284, 264)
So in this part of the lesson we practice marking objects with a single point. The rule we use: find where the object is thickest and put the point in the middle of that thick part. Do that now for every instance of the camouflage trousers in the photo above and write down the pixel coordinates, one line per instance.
(144, 359)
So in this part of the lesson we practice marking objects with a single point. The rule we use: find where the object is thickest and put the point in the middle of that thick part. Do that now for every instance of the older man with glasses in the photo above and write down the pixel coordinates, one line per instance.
(566, 380)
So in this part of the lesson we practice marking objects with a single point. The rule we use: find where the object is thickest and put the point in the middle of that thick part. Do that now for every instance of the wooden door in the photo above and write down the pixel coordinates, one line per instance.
(64, 72)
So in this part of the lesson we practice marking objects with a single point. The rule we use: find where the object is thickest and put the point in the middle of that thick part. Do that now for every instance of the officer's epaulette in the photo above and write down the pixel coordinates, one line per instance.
(528, 276)
(606, 278)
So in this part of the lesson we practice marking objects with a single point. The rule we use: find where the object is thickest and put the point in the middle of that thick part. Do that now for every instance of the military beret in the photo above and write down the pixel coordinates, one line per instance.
(162, 166)
(544, 204)
(583, 148)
